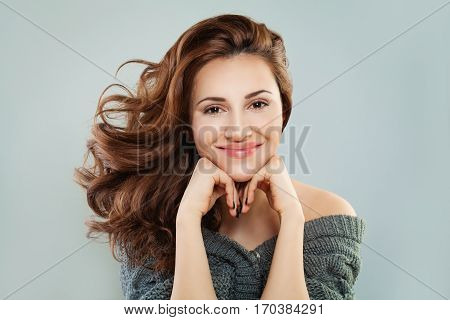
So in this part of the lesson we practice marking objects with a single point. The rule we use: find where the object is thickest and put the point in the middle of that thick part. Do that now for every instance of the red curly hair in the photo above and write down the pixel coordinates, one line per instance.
(142, 168)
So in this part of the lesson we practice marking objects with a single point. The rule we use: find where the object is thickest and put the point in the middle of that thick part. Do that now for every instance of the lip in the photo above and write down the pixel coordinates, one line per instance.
(240, 153)
(245, 146)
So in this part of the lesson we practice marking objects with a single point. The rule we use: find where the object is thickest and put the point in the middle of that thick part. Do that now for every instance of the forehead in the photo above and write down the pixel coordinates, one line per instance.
(235, 76)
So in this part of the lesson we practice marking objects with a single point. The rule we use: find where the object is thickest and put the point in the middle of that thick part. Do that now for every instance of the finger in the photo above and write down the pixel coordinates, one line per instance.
(237, 201)
(219, 192)
(263, 185)
(227, 183)
(257, 179)
(245, 205)
(240, 189)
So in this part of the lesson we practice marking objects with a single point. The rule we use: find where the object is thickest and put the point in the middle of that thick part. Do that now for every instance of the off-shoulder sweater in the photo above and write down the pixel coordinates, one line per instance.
(331, 253)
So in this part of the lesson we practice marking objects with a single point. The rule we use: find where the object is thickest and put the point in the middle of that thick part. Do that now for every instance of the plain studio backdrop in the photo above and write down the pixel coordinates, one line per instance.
(372, 79)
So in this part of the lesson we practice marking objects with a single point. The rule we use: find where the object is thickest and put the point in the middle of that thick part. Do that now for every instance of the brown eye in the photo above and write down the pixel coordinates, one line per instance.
(211, 108)
(260, 102)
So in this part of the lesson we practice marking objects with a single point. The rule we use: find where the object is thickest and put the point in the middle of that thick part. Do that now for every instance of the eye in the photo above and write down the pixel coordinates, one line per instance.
(214, 110)
(206, 111)
(261, 107)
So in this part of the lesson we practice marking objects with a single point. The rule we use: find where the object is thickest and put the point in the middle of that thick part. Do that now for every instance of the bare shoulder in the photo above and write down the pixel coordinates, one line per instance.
(317, 202)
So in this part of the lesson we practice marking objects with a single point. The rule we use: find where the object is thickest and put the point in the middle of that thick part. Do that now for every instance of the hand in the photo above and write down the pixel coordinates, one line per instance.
(274, 180)
(207, 184)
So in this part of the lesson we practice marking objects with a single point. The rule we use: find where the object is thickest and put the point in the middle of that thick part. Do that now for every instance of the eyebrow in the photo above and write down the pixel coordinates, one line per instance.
(248, 96)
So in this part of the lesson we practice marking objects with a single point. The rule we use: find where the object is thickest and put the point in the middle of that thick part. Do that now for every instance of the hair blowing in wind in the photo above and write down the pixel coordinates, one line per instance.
(129, 184)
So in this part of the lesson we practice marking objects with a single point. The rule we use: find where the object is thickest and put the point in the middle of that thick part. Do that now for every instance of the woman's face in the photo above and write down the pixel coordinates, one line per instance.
(236, 101)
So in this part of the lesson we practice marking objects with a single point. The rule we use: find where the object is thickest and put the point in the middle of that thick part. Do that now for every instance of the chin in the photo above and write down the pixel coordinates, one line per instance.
(241, 177)
(237, 170)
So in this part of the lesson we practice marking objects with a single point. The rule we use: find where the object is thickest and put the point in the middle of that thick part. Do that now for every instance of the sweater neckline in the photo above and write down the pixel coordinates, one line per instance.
(353, 226)
(235, 243)
(226, 239)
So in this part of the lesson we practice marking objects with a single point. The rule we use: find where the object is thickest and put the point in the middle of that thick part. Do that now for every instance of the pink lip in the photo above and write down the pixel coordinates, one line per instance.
(240, 147)
(240, 153)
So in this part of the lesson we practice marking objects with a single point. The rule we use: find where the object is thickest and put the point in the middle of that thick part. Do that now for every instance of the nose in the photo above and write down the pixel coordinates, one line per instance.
(237, 133)
(238, 130)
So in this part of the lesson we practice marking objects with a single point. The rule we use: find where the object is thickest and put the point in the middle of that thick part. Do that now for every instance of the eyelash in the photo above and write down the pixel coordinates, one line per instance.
(215, 113)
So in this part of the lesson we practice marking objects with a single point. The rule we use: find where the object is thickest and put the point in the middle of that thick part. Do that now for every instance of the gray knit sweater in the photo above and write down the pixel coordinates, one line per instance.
(331, 252)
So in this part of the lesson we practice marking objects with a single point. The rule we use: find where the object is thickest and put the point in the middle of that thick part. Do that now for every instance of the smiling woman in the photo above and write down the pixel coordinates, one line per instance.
(199, 148)
(248, 110)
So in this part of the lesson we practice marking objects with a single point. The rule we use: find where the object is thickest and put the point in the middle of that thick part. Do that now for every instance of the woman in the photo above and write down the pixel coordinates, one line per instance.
(192, 189)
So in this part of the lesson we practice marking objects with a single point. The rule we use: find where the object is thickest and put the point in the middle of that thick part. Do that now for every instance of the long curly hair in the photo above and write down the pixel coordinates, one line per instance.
(142, 167)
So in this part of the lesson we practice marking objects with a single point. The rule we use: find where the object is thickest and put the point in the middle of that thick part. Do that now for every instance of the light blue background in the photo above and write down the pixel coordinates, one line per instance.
(379, 133)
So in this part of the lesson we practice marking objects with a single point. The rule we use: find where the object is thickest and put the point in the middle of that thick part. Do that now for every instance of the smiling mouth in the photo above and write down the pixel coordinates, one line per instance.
(239, 153)
(250, 147)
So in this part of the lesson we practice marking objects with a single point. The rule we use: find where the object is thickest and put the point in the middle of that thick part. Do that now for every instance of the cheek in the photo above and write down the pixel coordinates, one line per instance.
(205, 137)
(274, 117)
(272, 135)
(271, 124)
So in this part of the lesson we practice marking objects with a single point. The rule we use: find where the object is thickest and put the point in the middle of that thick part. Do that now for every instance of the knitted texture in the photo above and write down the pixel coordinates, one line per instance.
(331, 253)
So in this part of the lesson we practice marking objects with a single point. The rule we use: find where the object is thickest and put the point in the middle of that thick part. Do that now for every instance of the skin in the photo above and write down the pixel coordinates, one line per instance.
(238, 120)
